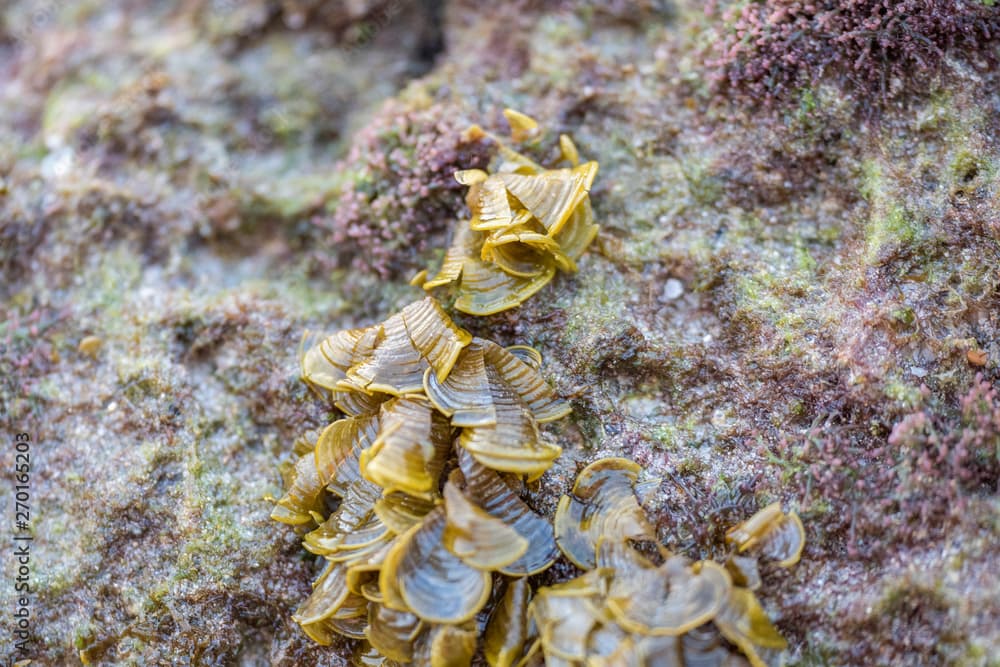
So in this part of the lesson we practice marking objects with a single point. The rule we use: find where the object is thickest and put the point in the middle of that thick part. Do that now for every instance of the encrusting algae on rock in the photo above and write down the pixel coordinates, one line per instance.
(527, 222)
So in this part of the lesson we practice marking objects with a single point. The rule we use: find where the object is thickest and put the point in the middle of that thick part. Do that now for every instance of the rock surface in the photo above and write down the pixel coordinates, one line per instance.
(790, 299)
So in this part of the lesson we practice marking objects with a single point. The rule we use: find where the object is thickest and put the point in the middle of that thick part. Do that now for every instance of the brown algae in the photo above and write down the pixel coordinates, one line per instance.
(412, 499)
(412, 554)
(626, 610)
(527, 223)
(413, 575)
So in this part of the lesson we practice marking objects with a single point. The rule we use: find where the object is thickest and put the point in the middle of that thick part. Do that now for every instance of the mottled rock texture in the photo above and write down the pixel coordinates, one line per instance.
(793, 295)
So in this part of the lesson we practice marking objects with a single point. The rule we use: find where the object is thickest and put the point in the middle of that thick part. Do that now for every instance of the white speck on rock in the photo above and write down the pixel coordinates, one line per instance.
(672, 289)
(57, 163)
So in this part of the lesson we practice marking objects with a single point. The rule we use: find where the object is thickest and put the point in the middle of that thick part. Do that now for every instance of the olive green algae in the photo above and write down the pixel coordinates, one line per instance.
(781, 305)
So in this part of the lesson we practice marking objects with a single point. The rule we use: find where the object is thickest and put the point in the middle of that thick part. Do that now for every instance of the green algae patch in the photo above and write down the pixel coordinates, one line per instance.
(890, 228)
(890, 231)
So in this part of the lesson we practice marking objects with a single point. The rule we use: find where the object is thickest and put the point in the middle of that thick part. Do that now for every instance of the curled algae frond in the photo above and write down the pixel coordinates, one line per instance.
(410, 450)
(434, 583)
(353, 525)
(498, 400)
(486, 374)
(508, 628)
(744, 571)
(485, 488)
(304, 495)
(527, 223)
(521, 127)
(447, 646)
(329, 594)
(339, 449)
(392, 632)
(412, 501)
(775, 535)
(324, 367)
(669, 600)
(744, 622)
(481, 540)
(603, 505)
(419, 337)
(567, 613)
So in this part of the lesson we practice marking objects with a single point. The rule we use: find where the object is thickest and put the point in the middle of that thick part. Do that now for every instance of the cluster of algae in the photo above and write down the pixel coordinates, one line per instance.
(415, 498)
(527, 222)
(411, 550)
(628, 610)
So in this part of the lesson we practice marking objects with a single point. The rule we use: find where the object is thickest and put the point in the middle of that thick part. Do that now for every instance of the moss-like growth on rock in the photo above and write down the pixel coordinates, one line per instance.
(772, 50)
(401, 197)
